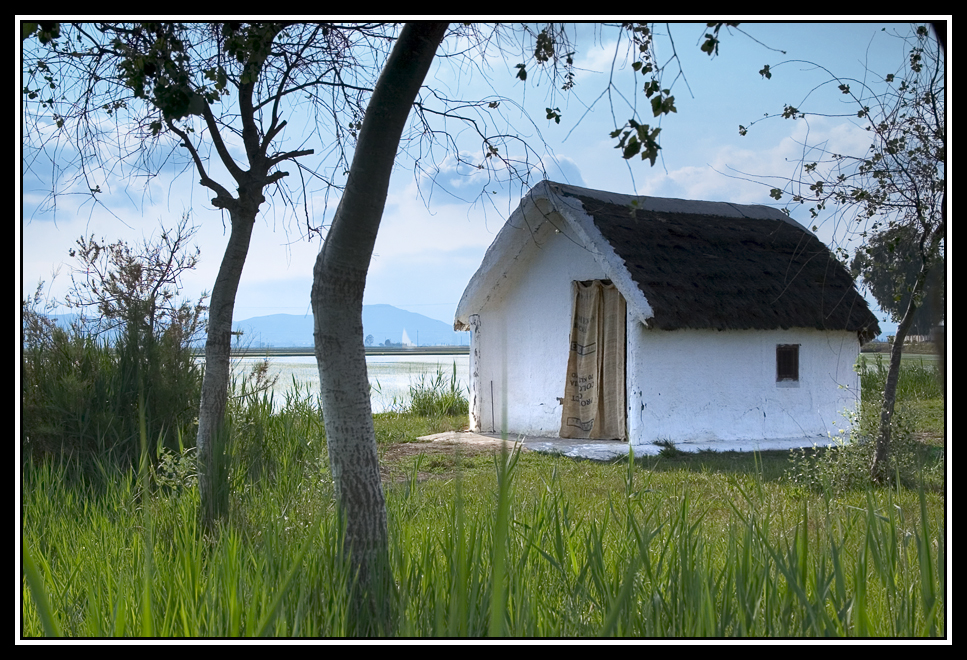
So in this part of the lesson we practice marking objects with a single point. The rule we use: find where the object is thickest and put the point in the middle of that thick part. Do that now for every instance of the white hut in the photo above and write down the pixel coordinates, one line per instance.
(599, 315)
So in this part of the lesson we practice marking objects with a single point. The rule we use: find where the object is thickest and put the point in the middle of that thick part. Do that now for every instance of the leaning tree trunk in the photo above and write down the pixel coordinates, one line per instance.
(339, 277)
(211, 442)
(878, 466)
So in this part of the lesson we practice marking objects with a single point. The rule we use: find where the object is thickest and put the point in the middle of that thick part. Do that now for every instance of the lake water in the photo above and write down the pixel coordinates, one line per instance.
(390, 376)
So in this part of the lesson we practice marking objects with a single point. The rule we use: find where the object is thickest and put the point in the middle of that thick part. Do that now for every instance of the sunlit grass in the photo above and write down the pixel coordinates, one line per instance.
(585, 549)
(709, 544)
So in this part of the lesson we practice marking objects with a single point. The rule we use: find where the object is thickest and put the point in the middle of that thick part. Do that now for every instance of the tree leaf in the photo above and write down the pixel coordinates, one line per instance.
(26, 30)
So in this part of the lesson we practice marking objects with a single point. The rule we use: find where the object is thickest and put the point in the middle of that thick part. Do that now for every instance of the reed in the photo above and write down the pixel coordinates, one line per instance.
(526, 545)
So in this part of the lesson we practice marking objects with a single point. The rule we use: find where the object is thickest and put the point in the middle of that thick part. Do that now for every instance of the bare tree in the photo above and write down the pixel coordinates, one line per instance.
(894, 191)
(121, 281)
(179, 74)
(122, 99)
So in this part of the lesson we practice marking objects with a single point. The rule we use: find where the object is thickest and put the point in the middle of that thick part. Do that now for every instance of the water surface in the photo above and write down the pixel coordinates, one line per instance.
(390, 376)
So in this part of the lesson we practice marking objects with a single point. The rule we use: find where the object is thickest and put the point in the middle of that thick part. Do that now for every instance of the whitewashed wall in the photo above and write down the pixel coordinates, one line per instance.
(709, 385)
(520, 343)
(682, 386)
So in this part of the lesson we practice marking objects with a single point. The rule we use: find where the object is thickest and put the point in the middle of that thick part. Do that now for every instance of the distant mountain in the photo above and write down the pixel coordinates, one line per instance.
(383, 322)
(274, 330)
(388, 322)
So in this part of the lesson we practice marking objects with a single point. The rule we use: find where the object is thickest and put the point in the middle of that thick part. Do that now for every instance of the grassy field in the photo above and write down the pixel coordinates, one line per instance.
(484, 544)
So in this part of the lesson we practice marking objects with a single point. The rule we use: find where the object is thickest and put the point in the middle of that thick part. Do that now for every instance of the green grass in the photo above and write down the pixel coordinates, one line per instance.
(709, 544)
(563, 549)
(918, 377)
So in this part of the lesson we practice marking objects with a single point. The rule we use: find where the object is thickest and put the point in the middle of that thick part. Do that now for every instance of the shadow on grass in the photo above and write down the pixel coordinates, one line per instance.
(771, 465)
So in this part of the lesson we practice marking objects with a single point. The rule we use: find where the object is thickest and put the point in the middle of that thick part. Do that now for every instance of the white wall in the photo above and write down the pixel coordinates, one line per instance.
(682, 385)
(520, 343)
(692, 385)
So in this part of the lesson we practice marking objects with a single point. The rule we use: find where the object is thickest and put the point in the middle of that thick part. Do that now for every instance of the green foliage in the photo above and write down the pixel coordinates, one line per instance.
(640, 138)
(889, 264)
(45, 31)
(438, 395)
(83, 386)
(155, 65)
(176, 473)
(80, 394)
(634, 137)
(845, 466)
(532, 546)
(711, 44)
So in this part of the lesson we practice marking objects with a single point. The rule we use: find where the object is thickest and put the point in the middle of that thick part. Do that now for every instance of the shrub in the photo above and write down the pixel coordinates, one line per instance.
(67, 388)
(84, 387)
(845, 466)
(81, 394)
(437, 395)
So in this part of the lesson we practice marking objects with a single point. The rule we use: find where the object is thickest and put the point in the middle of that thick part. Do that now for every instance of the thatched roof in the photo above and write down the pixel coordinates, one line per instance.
(711, 271)
(684, 263)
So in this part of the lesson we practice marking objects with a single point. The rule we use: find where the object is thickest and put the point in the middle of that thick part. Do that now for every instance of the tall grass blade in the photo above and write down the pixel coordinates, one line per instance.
(275, 607)
(498, 601)
(147, 615)
(36, 584)
(622, 600)
(928, 592)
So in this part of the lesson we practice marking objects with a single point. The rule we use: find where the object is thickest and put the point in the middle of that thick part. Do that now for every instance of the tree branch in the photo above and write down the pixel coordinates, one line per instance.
(223, 197)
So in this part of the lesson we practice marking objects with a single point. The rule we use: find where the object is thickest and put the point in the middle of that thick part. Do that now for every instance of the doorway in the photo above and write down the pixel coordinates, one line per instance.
(594, 394)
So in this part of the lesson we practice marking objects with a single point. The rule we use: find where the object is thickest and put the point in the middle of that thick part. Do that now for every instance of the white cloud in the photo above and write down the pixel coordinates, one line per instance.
(429, 254)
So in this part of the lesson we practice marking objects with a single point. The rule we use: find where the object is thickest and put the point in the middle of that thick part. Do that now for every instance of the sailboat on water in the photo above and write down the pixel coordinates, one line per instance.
(406, 341)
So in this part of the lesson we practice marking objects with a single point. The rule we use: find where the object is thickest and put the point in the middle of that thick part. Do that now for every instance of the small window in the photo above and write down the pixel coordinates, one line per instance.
(787, 362)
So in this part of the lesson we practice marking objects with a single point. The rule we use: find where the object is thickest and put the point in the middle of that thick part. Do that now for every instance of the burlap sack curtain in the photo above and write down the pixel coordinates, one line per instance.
(594, 396)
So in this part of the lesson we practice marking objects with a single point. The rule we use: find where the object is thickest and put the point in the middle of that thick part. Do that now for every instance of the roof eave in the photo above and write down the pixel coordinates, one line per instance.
(498, 259)
(571, 209)
(536, 208)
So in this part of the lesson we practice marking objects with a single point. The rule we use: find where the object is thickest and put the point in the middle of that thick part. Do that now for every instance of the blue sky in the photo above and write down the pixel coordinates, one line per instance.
(431, 244)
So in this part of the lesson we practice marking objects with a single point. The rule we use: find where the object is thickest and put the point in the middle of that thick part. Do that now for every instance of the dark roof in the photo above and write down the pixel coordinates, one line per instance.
(731, 273)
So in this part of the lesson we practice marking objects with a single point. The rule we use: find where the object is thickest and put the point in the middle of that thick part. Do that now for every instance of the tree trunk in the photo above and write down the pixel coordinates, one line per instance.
(339, 277)
(211, 443)
(878, 467)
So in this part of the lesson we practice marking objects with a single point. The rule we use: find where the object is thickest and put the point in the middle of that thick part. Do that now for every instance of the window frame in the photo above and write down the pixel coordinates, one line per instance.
(787, 363)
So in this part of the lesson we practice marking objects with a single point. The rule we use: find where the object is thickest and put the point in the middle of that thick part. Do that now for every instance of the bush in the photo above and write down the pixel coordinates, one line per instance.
(81, 394)
(67, 386)
(84, 388)
(437, 395)
(845, 466)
